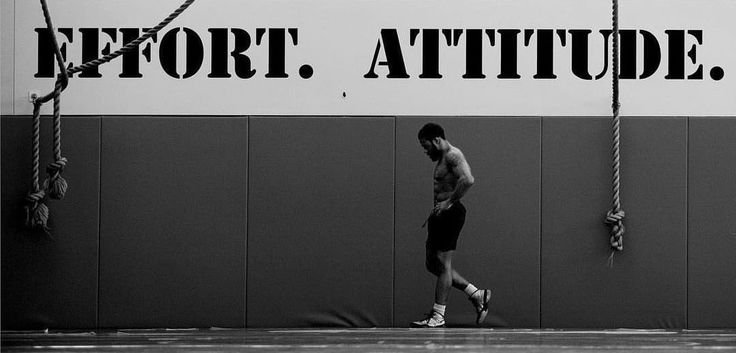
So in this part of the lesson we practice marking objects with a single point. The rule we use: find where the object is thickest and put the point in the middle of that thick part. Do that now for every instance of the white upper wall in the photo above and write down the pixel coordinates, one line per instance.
(335, 44)
(7, 26)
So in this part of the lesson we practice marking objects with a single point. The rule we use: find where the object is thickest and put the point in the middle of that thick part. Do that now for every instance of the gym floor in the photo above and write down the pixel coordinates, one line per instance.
(371, 340)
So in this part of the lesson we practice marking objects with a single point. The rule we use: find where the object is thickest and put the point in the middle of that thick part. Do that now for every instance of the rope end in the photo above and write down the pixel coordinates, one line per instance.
(610, 259)
(37, 216)
(57, 186)
(37, 213)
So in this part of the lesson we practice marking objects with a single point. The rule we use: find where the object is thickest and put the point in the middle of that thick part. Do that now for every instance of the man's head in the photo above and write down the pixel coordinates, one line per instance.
(431, 136)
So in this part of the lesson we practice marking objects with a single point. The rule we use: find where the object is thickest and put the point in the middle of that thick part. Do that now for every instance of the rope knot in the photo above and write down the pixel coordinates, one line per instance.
(614, 216)
(35, 197)
(57, 166)
(57, 186)
(615, 220)
(37, 214)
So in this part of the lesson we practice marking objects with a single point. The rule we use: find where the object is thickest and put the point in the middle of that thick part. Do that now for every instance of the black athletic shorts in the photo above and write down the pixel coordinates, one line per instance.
(444, 229)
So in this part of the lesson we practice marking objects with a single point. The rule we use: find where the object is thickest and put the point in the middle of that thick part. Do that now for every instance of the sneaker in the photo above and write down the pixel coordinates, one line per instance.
(481, 306)
(434, 319)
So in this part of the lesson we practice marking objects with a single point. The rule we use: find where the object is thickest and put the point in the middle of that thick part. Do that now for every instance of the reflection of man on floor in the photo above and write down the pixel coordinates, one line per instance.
(452, 179)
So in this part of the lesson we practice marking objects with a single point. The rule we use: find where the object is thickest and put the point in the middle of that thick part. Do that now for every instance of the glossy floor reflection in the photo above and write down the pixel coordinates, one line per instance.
(371, 340)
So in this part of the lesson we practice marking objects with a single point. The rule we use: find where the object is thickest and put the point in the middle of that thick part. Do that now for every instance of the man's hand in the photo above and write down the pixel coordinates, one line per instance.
(442, 206)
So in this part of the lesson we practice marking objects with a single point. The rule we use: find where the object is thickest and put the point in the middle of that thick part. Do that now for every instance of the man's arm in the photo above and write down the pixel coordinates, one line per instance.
(464, 178)
(456, 161)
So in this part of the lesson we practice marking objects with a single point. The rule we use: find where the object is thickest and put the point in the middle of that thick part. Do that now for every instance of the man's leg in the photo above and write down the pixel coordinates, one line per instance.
(440, 264)
(458, 281)
(444, 276)
(434, 264)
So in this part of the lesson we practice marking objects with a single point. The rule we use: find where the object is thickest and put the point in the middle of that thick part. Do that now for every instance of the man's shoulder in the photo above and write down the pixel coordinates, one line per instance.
(455, 155)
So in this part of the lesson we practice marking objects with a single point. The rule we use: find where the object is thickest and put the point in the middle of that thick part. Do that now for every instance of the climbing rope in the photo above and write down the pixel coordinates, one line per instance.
(128, 47)
(615, 216)
(37, 213)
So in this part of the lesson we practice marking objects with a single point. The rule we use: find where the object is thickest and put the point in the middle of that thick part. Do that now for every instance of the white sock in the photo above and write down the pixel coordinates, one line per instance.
(470, 289)
(440, 309)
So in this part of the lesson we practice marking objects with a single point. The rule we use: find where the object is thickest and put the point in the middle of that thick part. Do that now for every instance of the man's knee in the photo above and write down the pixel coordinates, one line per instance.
(434, 264)
(444, 261)
(438, 263)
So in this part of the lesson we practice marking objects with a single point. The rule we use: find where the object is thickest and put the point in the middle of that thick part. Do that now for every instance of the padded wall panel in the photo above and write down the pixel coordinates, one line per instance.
(173, 222)
(712, 226)
(320, 235)
(499, 245)
(50, 283)
(647, 286)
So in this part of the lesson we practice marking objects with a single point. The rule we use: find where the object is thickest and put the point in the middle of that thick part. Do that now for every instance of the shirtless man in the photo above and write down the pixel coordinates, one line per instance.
(452, 179)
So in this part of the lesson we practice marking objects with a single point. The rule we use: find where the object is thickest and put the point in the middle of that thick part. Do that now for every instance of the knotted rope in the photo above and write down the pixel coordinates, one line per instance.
(615, 216)
(37, 213)
(56, 184)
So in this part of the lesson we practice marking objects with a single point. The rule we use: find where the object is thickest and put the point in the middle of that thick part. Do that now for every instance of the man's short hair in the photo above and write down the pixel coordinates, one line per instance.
(431, 130)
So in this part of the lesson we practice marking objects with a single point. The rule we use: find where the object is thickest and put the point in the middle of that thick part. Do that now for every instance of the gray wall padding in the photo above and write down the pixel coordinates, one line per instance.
(320, 236)
(647, 285)
(316, 221)
(45, 282)
(499, 245)
(712, 223)
(172, 237)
